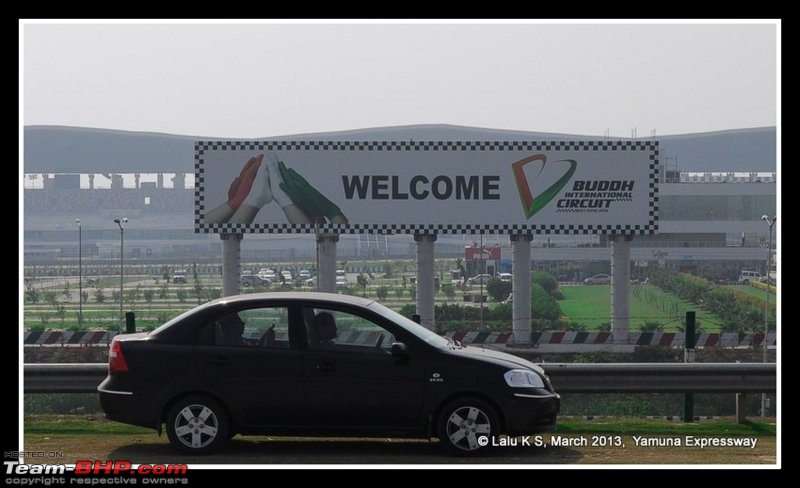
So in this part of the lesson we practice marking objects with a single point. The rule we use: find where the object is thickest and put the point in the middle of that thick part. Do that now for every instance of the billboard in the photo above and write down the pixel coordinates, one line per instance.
(484, 253)
(448, 187)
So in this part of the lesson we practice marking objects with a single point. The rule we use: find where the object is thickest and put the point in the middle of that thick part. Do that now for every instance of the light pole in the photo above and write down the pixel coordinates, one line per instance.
(121, 223)
(771, 222)
(80, 274)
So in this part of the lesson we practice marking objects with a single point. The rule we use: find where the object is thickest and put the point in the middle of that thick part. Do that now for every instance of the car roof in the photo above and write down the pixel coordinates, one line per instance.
(294, 295)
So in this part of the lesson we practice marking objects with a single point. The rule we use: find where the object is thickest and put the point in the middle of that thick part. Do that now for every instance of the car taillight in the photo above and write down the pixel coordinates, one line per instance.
(116, 360)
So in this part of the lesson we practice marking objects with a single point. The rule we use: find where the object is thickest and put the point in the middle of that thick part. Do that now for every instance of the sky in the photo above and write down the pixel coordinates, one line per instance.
(245, 80)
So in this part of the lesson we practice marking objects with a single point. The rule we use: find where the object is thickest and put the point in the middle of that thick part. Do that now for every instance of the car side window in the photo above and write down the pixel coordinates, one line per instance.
(334, 330)
(264, 327)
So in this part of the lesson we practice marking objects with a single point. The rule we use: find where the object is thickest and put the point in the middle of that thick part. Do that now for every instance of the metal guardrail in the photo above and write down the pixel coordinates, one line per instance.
(662, 377)
(566, 377)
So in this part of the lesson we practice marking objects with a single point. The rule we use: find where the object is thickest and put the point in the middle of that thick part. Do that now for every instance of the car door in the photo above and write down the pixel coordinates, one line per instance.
(257, 368)
(352, 381)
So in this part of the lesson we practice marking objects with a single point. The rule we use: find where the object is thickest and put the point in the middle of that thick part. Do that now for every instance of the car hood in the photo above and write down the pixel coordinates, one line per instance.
(496, 357)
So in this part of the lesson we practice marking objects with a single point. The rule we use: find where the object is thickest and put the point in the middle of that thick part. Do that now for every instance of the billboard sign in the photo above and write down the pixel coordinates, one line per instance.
(449, 187)
(482, 253)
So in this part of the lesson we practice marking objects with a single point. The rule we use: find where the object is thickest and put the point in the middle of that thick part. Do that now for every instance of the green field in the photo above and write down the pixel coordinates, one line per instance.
(591, 305)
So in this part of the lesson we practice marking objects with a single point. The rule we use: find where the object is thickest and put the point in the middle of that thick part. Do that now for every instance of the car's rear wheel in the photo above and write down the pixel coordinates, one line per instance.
(466, 426)
(197, 425)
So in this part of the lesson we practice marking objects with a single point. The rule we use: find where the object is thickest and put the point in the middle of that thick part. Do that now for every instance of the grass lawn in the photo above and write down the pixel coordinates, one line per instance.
(591, 305)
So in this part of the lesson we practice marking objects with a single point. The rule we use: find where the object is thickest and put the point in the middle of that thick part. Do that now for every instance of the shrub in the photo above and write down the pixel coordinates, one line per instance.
(650, 326)
(545, 280)
(449, 290)
(498, 289)
(543, 305)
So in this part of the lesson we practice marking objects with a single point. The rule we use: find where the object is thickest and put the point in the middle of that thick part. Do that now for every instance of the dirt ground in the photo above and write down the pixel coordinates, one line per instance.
(260, 450)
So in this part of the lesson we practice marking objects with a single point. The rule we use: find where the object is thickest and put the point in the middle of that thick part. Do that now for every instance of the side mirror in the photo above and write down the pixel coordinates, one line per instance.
(399, 350)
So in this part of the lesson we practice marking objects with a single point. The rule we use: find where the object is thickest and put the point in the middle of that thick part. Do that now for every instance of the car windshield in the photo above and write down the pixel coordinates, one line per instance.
(419, 331)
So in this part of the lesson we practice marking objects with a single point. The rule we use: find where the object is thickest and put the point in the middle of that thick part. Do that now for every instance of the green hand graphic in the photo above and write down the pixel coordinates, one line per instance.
(313, 203)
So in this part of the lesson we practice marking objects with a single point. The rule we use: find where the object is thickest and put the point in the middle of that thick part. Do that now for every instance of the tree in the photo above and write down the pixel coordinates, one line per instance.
(148, 295)
(198, 290)
(61, 311)
(99, 295)
(181, 294)
(382, 292)
(32, 291)
(498, 289)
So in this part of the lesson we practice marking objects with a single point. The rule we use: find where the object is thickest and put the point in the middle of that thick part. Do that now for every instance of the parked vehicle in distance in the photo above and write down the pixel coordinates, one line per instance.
(287, 276)
(318, 364)
(505, 276)
(304, 274)
(249, 279)
(267, 273)
(311, 281)
(179, 276)
(479, 279)
(745, 277)
(341, 282)
(598, 279)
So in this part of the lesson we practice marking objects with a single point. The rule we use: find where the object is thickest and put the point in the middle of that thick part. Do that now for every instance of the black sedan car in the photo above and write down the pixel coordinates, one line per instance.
(317, 364)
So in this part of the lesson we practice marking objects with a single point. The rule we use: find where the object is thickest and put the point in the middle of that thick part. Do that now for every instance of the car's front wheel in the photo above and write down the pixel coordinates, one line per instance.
(466, 426)
(197, 425)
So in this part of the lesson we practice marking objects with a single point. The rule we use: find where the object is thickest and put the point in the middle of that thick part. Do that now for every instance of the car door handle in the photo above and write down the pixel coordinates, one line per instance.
(221, 361)
(326, 367)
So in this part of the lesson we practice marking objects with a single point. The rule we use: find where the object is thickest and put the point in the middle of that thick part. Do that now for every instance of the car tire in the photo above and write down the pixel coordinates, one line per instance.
(462, 424)
(197, 425)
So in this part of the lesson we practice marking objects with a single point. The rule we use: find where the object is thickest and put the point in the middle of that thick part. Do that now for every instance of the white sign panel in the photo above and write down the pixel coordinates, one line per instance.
(555, 187)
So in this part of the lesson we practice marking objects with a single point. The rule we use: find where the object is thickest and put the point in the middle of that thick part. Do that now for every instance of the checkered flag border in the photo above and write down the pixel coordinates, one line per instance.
(288, 145)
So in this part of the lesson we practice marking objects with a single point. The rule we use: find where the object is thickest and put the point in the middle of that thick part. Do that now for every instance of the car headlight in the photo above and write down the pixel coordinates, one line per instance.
(523, 378)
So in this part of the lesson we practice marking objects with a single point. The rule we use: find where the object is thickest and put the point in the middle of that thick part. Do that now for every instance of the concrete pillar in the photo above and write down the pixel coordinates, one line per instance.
(231, 263)
(91, 181)
(620, 288)
(326, 272)
(425, 279)
(521, 287)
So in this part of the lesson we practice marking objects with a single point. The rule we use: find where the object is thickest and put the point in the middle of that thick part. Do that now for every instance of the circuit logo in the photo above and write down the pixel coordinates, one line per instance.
(530, 203)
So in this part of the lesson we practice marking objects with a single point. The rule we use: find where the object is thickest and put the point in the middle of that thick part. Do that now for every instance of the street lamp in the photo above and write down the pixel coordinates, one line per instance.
(121, 223)
(771, 222)
(80, 274)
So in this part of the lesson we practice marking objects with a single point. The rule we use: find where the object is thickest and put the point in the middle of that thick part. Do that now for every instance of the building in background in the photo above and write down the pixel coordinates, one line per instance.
(714, 189)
